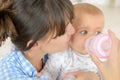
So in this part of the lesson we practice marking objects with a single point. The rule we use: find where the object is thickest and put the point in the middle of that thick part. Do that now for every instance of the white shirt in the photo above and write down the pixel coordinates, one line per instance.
(68, 61)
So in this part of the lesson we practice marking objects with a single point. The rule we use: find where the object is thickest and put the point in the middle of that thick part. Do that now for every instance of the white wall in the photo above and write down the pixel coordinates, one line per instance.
(100, 2)
(5, 48)
(112, 3)
(117, 3)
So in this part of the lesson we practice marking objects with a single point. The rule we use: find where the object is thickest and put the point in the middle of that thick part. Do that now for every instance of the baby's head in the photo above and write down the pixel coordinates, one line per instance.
(88, 21)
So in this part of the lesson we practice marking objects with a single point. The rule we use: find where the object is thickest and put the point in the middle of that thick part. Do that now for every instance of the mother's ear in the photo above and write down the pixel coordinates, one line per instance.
(35, 46)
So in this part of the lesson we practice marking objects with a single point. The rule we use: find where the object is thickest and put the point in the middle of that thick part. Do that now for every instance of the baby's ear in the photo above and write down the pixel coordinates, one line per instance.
(35, 46)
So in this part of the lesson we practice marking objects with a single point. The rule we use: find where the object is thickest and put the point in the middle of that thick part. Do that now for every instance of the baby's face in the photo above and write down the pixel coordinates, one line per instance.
(86, 26)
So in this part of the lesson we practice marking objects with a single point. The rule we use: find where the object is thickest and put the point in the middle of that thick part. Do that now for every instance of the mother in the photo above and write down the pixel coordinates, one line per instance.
(35, 27)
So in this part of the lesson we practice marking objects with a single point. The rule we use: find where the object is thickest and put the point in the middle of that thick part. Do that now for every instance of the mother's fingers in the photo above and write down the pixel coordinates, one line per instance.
(75, 74)
(119, 50)
(96, 60)
(114, 48)
(119, 46)
(39, 74)
(69, 74)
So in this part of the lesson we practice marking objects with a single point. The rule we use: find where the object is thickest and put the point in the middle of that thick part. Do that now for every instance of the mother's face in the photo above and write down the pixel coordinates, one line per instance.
(58, 44)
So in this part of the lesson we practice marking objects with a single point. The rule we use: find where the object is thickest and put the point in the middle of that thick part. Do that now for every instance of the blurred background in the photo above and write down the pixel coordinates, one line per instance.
(111, 3)
(110, 8)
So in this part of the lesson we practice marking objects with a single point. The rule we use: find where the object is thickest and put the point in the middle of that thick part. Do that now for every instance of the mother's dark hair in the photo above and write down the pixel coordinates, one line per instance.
(25, 20)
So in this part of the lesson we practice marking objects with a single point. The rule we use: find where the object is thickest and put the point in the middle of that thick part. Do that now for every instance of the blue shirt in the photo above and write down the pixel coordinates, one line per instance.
(16, 67)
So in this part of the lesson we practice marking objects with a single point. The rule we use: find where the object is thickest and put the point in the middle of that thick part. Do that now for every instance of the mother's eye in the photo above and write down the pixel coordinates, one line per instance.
(84, 32)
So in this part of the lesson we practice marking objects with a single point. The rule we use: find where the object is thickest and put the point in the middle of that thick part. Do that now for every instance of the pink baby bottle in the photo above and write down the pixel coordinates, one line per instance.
(100, 45)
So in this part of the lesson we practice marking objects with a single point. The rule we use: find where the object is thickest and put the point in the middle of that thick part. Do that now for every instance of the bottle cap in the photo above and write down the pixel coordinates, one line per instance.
(100, 45)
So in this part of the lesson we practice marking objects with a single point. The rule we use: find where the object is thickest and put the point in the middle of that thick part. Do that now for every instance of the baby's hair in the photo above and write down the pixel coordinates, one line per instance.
(87, 8)
(7, 28)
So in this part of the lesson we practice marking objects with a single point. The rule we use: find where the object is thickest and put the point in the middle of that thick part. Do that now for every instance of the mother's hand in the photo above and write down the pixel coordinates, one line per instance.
(110, 69)
(82, 75)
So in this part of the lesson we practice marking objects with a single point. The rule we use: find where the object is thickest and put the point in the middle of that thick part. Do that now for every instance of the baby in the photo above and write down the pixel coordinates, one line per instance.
(88, 21)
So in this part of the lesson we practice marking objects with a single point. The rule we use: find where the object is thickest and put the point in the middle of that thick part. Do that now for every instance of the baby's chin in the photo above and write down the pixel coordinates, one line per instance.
(83, 52)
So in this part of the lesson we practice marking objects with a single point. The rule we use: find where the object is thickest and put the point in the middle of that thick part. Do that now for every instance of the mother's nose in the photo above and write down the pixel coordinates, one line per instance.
(70, 29)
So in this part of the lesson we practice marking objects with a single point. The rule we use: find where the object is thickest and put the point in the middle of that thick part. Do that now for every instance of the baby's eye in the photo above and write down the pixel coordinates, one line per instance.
(97, 32)
(84, 32)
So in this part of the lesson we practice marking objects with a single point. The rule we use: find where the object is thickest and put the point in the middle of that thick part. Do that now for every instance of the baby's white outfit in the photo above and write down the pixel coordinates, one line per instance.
(67, 61)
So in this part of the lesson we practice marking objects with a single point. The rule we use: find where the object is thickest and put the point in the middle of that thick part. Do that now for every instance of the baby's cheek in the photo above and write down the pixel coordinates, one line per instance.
(79, 45)
(78, 42)
(82, 45)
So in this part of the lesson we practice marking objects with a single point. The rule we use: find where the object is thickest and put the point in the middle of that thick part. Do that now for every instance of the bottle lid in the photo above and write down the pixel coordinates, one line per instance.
(100, 45)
